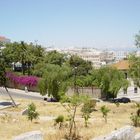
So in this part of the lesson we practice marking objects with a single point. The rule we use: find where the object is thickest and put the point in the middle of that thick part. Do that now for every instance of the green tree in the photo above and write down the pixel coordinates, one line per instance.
(1, 44)
(56, 80)
(27, 54)
(42, 85)
(55, 57)
(110, 80)
(134, 70)
(31, 112)
(82, 67)
(105, 112)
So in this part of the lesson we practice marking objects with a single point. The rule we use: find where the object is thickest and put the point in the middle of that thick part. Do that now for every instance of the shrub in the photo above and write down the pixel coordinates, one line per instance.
(117, 104)
(135, 119)
(87, 109)
(32, 113)
(59, 120)
(30, 81)
(105, 112)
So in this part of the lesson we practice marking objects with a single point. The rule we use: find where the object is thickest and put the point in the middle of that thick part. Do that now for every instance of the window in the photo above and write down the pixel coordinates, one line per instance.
(135, 90)
(125, 91)
(125, 75)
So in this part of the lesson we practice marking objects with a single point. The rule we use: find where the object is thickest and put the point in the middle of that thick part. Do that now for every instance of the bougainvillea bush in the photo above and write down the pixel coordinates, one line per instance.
(30, 81)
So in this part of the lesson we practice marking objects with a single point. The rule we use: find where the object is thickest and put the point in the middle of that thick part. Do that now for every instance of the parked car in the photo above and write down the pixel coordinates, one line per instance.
(50, 99)
(121, 100)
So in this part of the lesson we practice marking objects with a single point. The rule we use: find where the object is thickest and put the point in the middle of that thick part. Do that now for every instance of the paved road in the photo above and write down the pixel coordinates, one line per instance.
(20, 95)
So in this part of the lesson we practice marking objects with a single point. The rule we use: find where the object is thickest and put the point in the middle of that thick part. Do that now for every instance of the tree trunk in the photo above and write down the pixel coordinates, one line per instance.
(72, 123)
(11, 97)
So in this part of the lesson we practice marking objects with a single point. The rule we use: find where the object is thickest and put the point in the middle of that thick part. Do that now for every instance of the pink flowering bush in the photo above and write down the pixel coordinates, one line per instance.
(30, 81)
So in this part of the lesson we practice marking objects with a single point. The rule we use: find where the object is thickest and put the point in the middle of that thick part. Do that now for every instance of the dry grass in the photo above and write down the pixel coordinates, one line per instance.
(15, 124)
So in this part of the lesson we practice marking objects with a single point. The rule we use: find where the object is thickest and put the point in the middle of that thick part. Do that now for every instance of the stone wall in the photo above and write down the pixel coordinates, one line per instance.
(90, 91)
(34, 135)
(125, 133)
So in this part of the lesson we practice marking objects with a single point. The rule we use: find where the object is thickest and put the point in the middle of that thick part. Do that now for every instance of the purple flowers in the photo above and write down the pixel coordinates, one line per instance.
(22, 80)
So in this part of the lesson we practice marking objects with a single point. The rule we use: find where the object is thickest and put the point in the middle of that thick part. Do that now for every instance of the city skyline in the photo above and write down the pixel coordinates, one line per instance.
(100, 24)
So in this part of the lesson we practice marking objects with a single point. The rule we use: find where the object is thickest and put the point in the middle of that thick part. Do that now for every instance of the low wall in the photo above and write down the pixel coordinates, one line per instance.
(34, 135)
(90, 91)
(22, 87)
(125, 133)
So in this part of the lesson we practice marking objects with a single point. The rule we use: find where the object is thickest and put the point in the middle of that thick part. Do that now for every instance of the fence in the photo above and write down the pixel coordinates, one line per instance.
(93, 92)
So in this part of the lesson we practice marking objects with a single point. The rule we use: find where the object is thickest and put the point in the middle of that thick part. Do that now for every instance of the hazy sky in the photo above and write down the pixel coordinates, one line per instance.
(64, 23)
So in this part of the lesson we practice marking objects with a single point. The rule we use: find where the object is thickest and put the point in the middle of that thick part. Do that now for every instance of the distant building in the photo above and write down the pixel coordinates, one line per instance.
(120, 55)
(4, 40)
(88, 54)
(108, 57)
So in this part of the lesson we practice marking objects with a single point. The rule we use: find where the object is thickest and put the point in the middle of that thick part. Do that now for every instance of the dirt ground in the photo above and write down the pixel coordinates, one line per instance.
(13, 123)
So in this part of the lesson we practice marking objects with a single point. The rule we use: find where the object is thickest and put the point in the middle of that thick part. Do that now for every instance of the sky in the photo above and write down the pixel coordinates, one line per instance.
(102, 24)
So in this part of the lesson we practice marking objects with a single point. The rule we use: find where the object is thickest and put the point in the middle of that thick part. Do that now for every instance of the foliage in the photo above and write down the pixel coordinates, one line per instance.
(2, 74)
(39, 69)
(135, 69)
(105, 112)
(27, 54)
(110, 80)
(137, 40)
(87, 109)
(71, 104)
(42, 85)
(82, 67)
(55, 80)
(55, 57)
(59, 120)
(32, 113)
(117, 104)
(135, 119)
(30, 81)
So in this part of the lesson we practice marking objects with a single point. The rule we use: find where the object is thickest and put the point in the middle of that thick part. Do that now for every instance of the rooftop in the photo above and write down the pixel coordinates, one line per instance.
(122, 65)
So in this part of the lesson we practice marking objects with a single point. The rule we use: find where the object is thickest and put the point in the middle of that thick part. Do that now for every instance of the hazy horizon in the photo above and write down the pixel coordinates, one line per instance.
(102, 24)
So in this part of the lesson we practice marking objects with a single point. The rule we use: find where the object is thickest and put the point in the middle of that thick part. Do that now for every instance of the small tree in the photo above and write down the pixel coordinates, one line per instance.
(105, 112)
(87, 109)
(32, 113)
(71, 104)
(59, 120)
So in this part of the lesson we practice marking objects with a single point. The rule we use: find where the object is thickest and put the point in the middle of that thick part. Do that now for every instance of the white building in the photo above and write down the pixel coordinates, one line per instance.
(88, 54)
(120, 55)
